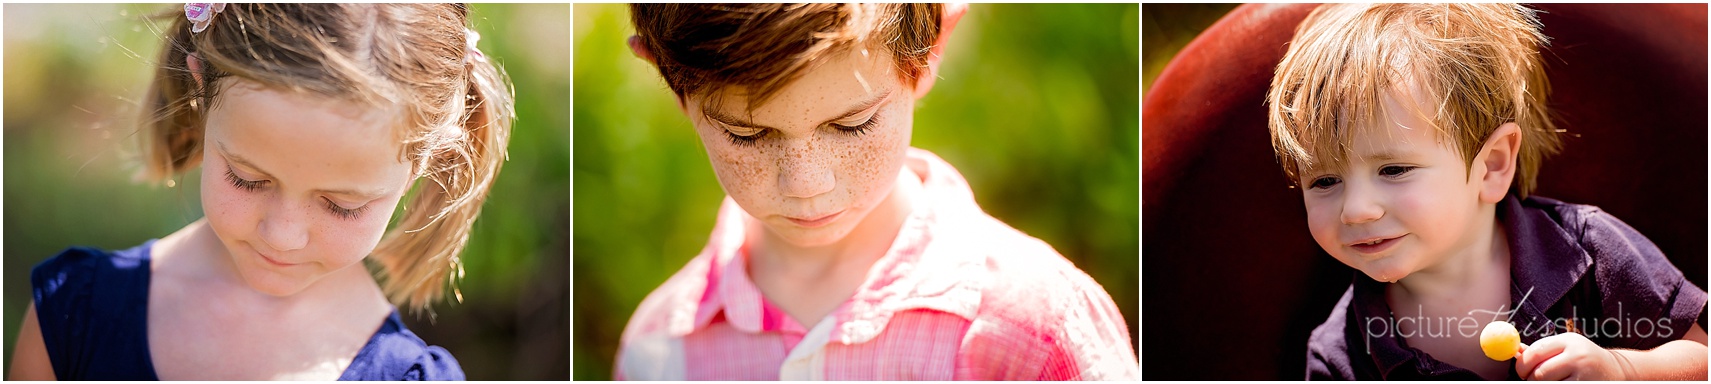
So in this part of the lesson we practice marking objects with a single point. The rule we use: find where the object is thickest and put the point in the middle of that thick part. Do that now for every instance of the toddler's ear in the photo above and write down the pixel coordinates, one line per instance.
(1497, 161)
(953, 14)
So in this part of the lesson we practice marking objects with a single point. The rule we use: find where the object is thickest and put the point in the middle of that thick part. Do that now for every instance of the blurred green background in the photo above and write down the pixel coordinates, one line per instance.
(1037, 105)
(73, 78)
(1167, 28)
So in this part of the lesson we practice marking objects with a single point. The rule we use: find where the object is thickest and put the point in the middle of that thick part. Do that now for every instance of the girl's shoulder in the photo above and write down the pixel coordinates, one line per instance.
(92, 273)
(81, 259)
(395, 353)
(91, 305)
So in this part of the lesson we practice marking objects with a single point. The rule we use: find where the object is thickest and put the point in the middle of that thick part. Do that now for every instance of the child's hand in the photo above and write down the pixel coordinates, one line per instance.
(1567, 356)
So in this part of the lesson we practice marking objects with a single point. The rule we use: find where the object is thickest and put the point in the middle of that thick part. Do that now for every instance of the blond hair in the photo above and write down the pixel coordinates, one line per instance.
(456, 112)
(763, 47)
(1478, 65)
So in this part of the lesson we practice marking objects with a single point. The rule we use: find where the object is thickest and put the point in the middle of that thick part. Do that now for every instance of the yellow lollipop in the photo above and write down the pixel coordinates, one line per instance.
(1500, 341)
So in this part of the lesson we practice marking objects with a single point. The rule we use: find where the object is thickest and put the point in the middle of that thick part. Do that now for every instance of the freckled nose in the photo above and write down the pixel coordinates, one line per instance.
(1360, 205)
(804, 171)
(282, 227)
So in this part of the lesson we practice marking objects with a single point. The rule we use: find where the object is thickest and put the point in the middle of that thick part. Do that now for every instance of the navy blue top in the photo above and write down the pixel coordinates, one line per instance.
(1568, 261)
(93, 309)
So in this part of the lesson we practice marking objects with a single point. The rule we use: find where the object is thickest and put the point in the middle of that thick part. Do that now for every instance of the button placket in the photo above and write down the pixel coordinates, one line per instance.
(807, 360)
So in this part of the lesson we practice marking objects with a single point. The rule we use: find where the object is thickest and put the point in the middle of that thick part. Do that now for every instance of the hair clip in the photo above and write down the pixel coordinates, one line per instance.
(200, 14)
(472, 54)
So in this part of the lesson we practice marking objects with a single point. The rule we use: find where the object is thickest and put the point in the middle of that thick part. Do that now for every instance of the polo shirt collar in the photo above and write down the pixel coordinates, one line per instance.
(1557, 261)
(1535, 239)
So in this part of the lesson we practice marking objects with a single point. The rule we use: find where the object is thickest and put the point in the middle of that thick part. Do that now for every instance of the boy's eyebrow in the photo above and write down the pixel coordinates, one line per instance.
(234, 158)
(738, 122)
(1373, 157)
(1382, 156)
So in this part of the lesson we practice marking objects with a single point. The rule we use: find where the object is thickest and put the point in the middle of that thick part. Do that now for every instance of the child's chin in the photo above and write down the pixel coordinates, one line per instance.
(1385, 274)
(272, 284)
(1389, 269)
(812, 237)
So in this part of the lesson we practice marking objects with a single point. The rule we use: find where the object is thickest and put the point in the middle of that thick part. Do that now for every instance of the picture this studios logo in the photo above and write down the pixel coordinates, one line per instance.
(1621, 326)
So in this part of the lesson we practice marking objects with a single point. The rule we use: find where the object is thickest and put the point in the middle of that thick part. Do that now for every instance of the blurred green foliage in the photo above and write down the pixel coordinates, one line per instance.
(74, 75)
(1037, 105)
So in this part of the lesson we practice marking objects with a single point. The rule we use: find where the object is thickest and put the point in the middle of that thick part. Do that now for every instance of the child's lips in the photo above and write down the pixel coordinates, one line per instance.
(273, 261)
(1375, 245)
(814, 222)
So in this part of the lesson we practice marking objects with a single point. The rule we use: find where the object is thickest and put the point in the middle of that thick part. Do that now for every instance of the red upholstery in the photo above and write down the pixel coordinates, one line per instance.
(1233, 281)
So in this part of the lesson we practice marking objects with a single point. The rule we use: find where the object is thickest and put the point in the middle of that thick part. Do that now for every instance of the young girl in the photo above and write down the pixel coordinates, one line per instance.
(310, 122)
(841, 253)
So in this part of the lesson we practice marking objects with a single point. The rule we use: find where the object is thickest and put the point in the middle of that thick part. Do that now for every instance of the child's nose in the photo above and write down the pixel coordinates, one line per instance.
(1360, 205)
(283, 228)
(804, 171)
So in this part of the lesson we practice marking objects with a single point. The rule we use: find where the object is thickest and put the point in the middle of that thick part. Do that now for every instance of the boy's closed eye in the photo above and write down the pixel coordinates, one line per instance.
(748, 136)
(856, 121)
(743, 135)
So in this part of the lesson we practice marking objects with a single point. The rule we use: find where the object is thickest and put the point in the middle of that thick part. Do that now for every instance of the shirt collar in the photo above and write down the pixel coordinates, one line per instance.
(1546, 262)
(892, 285)
(1387, 350)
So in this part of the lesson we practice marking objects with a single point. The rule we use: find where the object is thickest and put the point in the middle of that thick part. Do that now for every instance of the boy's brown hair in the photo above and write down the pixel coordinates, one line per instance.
(760, 48)
(1478, 65)
(455, 112)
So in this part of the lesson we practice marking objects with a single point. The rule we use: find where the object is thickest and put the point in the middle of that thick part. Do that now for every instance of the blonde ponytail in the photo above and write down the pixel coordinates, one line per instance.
(172, 120)
(458, 172)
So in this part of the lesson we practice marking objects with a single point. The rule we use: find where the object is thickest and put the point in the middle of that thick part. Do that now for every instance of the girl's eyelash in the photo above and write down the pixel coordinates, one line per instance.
(252, 186)
(344, 213)
(239, 182)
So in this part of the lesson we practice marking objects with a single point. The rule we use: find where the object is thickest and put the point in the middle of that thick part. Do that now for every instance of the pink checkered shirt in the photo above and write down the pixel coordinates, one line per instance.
(959, 295)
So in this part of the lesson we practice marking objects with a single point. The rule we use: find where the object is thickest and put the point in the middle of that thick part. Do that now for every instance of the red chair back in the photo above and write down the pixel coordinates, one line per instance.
(1233, 282)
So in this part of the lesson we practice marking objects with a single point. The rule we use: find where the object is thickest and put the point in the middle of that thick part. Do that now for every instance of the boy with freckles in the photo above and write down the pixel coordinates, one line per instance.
(1415, 133)
(842, 253)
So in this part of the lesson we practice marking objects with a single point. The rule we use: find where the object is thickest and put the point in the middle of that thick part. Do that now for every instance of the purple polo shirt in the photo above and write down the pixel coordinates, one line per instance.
(1569, 261)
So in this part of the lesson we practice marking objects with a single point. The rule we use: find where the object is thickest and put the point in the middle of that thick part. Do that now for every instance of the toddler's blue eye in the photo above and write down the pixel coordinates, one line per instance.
(1394, 170)
(1325, 182)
